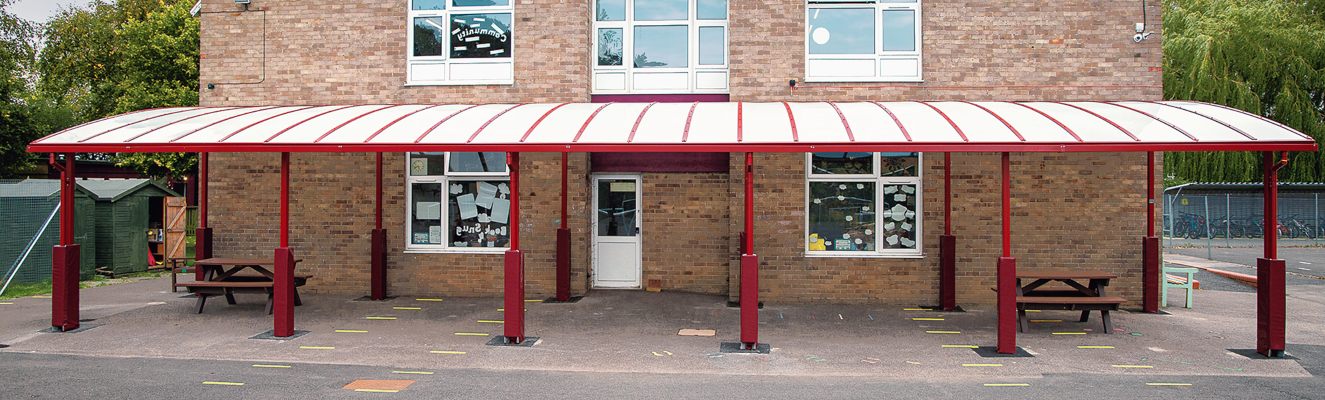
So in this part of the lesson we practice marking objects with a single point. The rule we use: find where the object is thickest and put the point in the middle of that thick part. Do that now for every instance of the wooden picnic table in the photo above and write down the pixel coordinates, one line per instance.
(222, 276)
(1086, 298)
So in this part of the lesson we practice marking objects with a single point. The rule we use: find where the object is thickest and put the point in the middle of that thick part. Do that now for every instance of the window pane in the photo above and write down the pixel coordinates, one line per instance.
(659, 10)
(711, 9)
(661, 46)
(480, 3)
(425, 213)
(899, 164)
(611, 10)
(479, 213)
(425, 164)
(493, 161)
(841, 30)
(616, 207)
(842, 163)
(428, 4)
(481, 35)
(899, 30)
(609, 46)
(712, 45)
(428, 36)
(899, 217)
(841, 216)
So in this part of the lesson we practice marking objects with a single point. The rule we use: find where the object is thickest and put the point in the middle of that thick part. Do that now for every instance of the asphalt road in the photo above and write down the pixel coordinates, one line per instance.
(32, 376)
(1302, 260)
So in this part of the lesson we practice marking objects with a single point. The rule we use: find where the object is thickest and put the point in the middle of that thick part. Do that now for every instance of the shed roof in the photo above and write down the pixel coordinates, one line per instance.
(1246, 186)
(115, 189)
(35, 188)
(1043, 126)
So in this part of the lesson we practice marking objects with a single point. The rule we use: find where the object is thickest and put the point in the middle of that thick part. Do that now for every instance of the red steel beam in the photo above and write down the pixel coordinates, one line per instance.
(490, 120)
(1052, 119)
(301, 122)
(791, 120)
(1157, 119)
(93, 136)
(377, 269)
(1150, 268)
(135, 137)
(347, 122)
(1202, 115)
(1277, 123)
(563, 234)
(237, 131)
(513, 298)
(439, 123)
(587, 121)
(749, 267)
(1007, 272)
(946, 118)
(65, 258)
(1102, 118)
(947, 193)
(851, 137)
(540, 121)
(685, 134)
(398, 119)
(1000, 119)
(1271, 294)
(283, 280)
(637, 122)
(897, 121)
(740, 127)
(214, 123)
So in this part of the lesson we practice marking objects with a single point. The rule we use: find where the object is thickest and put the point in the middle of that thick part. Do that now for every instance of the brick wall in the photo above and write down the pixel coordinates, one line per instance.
(354, 52)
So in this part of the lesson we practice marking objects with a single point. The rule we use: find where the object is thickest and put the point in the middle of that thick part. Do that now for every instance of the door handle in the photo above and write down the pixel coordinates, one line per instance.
(637, 231)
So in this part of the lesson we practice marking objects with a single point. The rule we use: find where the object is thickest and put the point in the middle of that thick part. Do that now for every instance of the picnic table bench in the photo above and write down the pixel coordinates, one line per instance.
(222, 281)
(1078, 297)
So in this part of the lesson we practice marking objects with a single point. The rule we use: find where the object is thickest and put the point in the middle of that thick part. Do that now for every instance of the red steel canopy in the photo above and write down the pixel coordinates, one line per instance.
(951, 126)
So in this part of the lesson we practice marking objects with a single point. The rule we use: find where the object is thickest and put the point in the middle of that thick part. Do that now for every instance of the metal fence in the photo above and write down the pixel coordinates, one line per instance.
(1231, 219)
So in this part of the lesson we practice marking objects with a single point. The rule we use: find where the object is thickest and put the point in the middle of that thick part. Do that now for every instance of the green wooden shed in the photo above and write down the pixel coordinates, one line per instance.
(126, 210)
(24, 207)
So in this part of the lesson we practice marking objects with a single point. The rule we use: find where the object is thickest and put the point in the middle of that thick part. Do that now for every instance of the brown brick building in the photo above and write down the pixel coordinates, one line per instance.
(1071, 209)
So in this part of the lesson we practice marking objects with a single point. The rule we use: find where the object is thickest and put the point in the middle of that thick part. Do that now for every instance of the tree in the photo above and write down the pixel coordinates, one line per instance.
(1262, 56)
(16, 127)
(114, 58)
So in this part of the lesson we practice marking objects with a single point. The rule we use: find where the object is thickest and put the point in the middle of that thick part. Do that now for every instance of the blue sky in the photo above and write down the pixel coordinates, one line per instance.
(41, 10)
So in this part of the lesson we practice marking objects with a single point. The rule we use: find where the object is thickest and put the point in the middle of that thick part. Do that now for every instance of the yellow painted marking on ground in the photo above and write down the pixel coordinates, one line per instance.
(491, 321)
(317, 347)
(1042, 321)
(1167, 384)
(533, 301)
(413, 372)
(1133, 366)
(270, 366)
(503, 309)
(470, 334)
(6, 303)
(915, 309)
(943, 332)
(926, 319)
(960, 346)
(223, 383)
(1007, 384)
(447, 352)
(1032, 310)
(1069, 333)
(982, 365)
(428, 299)
(351, 331)
(407, 308)
(42, 296)
(380, 318)
(1094, 347)
(377, 390)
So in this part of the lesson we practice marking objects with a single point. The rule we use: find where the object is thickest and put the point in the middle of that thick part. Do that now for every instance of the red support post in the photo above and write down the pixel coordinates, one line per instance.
(1007, 272)
(514, 262)
(65, 256)
(377, 269)
(749, 266)
(1150, 265)
(1271, 314)
(283, 282)
(202, 246)
(563, 236)
(947, 244)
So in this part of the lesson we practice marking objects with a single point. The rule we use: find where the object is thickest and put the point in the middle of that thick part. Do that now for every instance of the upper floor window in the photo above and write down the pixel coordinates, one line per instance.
(660, 46)
(457, 201)
(862, 40)
(863, 204)
(462, 42)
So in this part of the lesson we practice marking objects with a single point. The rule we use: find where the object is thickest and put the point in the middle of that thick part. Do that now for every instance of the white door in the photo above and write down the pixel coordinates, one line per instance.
(616, 232)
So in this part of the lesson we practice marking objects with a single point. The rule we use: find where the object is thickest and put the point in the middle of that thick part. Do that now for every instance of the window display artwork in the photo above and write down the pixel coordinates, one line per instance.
(863, 202)
(480, 35)
(479, 214)
(458, 200)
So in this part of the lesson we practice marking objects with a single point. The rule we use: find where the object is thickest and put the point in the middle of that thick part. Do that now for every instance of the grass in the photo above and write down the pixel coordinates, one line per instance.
(26, 289)
(17, 290)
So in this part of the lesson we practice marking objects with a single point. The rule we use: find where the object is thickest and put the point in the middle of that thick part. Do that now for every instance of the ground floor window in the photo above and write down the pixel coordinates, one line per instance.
(863, 204)
(457, 201)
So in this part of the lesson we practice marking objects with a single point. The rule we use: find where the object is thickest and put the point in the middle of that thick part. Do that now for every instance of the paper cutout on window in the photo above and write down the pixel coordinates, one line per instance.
(841, 198)
(501, 210)
(899, 213)
(842, 186)
(887, 227)
(865, 208)
(418, 166)
(466, 204)
(818, 201)
(843, 244)
(906, 226)
(889, 189)
(457, 189)
(484, 218)
(846, 236)
(892, 240)
(435, 234)
(849, 218)
(428, 210)
(908, 242)
(910, 214)
(860, 186)
(899, 197)
(420, 237)
(869, 232)
(501, 187)
(486, 192)
(858, 241)
(909, 189)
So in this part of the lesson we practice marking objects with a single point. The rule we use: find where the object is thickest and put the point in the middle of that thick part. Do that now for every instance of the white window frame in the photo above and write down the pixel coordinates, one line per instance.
(879, 182)
(445, 181)
(879, 55)
(627, 66)
(445, 60)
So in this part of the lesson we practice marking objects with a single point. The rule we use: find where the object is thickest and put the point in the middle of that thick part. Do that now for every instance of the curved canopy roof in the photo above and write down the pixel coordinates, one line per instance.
(703, 127)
